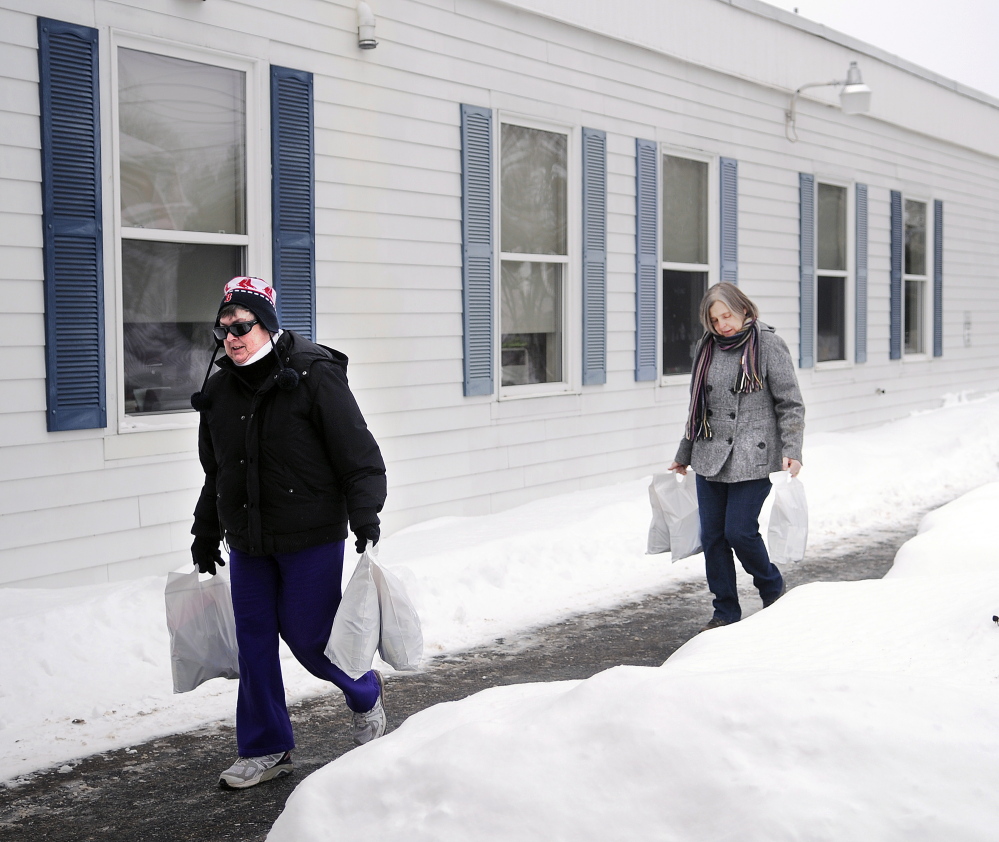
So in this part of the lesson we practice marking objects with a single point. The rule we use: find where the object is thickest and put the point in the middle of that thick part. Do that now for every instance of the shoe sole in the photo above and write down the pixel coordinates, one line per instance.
(267, 775)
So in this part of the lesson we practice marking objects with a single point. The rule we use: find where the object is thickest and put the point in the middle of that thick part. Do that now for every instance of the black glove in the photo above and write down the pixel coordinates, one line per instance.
(368, 532)
(205, 552)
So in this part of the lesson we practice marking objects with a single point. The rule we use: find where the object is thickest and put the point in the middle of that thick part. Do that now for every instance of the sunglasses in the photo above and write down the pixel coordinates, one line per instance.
(236, 329)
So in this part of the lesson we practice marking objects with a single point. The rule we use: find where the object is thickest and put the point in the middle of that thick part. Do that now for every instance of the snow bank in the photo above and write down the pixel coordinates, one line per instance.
(858, 710)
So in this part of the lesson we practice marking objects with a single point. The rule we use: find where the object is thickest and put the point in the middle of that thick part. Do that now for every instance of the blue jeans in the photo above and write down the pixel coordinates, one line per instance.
(294, 595)
(730, 521)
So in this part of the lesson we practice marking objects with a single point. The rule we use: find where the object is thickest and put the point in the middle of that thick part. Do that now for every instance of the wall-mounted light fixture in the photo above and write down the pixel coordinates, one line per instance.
(365, 27)
(854, 98)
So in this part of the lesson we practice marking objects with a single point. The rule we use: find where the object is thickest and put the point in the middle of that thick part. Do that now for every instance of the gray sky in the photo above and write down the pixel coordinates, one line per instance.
(958, 39)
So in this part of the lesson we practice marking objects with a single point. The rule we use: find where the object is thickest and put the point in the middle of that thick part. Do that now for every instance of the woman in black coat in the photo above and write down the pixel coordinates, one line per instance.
(289, 463)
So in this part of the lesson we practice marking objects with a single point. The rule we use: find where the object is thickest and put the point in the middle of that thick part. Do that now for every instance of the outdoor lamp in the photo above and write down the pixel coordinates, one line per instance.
(365, 27)
(854, 98)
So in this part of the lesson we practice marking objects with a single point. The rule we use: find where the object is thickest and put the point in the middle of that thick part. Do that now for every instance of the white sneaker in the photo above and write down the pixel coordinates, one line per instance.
(250, 771)
(370, 725)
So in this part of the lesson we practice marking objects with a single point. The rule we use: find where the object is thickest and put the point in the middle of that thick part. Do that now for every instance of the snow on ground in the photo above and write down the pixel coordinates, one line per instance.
(86, 670)
(850, 710)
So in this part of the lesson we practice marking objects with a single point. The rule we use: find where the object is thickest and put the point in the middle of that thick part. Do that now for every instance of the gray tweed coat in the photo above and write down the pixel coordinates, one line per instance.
(751, 432)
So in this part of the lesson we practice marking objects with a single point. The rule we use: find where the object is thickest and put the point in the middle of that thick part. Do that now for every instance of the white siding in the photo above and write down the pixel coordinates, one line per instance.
(709, 76)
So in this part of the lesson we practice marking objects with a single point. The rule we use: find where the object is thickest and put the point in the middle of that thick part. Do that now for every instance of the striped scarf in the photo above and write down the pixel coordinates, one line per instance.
(749, 379)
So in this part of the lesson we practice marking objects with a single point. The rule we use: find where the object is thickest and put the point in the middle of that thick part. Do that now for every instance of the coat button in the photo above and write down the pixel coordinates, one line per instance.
(731, 415)
(730, 441)
(291, 490)
(762, 445)
(242, 461)
(710, 412)
(242, 417)
(709, 388)
(245, 506)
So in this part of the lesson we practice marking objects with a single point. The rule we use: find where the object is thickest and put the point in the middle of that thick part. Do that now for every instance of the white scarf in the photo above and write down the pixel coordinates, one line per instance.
(263, 350)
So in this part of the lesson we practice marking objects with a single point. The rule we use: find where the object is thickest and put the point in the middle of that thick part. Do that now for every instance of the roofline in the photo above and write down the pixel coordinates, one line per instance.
(820, 30)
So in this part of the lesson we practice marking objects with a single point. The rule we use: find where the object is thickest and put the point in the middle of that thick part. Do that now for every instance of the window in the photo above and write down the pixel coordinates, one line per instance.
(831, 277)
(533, 254)
(685, 252)
(182, 129)
(915, 278)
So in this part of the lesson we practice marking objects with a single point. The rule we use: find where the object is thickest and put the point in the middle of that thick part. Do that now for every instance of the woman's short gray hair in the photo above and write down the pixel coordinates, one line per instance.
(732, 297)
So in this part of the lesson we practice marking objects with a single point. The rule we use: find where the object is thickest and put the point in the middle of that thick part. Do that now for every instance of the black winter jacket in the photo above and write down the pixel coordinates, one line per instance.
(284, 470)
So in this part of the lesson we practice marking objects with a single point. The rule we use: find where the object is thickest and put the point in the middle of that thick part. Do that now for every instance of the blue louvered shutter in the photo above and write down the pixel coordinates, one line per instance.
(895, 278)
(860, 349)
(729, 219)
(477, 247)
(937, 278)
(646, 258)
(293, 207)
(806, 270)
(594, 257)
(73, 254)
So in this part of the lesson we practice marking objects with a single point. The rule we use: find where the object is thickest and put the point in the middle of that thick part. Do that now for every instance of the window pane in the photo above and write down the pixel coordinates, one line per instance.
(170, 294)
(914, 317)
(685, 210)
(915, 238)
(533, 191)
(830, 315)
(531, 322)
(831, 225)
(181, 139)
(682, 294)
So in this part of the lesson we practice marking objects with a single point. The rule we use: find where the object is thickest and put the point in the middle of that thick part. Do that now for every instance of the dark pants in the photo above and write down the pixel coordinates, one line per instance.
(730, 521)
(294, 595)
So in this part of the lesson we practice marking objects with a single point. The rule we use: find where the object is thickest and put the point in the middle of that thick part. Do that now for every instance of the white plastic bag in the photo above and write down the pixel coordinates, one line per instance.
(677, 498)
(658, 530)
(787, 534)
(202, 630)
(400, 641)
(356, 627)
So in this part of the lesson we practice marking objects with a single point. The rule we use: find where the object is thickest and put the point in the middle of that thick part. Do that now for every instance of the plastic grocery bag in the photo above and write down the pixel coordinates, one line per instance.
(400, 641)
(787, 534)
(202, 630)
(357, 625)
(658, 530)
(676, 496)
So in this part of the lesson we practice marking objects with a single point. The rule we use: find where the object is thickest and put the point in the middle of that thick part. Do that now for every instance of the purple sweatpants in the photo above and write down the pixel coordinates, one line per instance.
(294, 595)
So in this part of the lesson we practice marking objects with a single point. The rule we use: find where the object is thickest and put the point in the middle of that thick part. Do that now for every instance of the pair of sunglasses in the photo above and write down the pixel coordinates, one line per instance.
(236, 329)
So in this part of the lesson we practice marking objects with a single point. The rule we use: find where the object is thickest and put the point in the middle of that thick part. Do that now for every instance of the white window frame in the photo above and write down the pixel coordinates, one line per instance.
(714, 245)
(256, 242)
(926, 280)
(849, 275)
(571, 279)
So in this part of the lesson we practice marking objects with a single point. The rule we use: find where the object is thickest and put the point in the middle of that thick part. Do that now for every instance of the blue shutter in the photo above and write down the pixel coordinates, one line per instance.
(646, 258)
(860, 351)
(895, 296)
(477, 247)
(594, 257)
(293, 213)
(806, 270)
(729, 220)
(937, 278)
(73, 253)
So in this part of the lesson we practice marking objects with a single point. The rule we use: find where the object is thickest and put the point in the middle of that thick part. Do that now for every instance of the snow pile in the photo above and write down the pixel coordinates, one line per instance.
(858, 710)
(87, 670)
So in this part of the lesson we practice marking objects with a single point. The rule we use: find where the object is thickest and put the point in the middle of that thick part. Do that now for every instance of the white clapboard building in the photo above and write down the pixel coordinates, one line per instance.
(503, 211)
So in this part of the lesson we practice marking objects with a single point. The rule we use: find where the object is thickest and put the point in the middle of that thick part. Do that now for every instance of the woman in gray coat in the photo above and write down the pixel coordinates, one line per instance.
(746, 420)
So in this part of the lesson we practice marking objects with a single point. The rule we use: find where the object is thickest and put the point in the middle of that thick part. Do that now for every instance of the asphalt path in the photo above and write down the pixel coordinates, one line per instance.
(166, 790)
